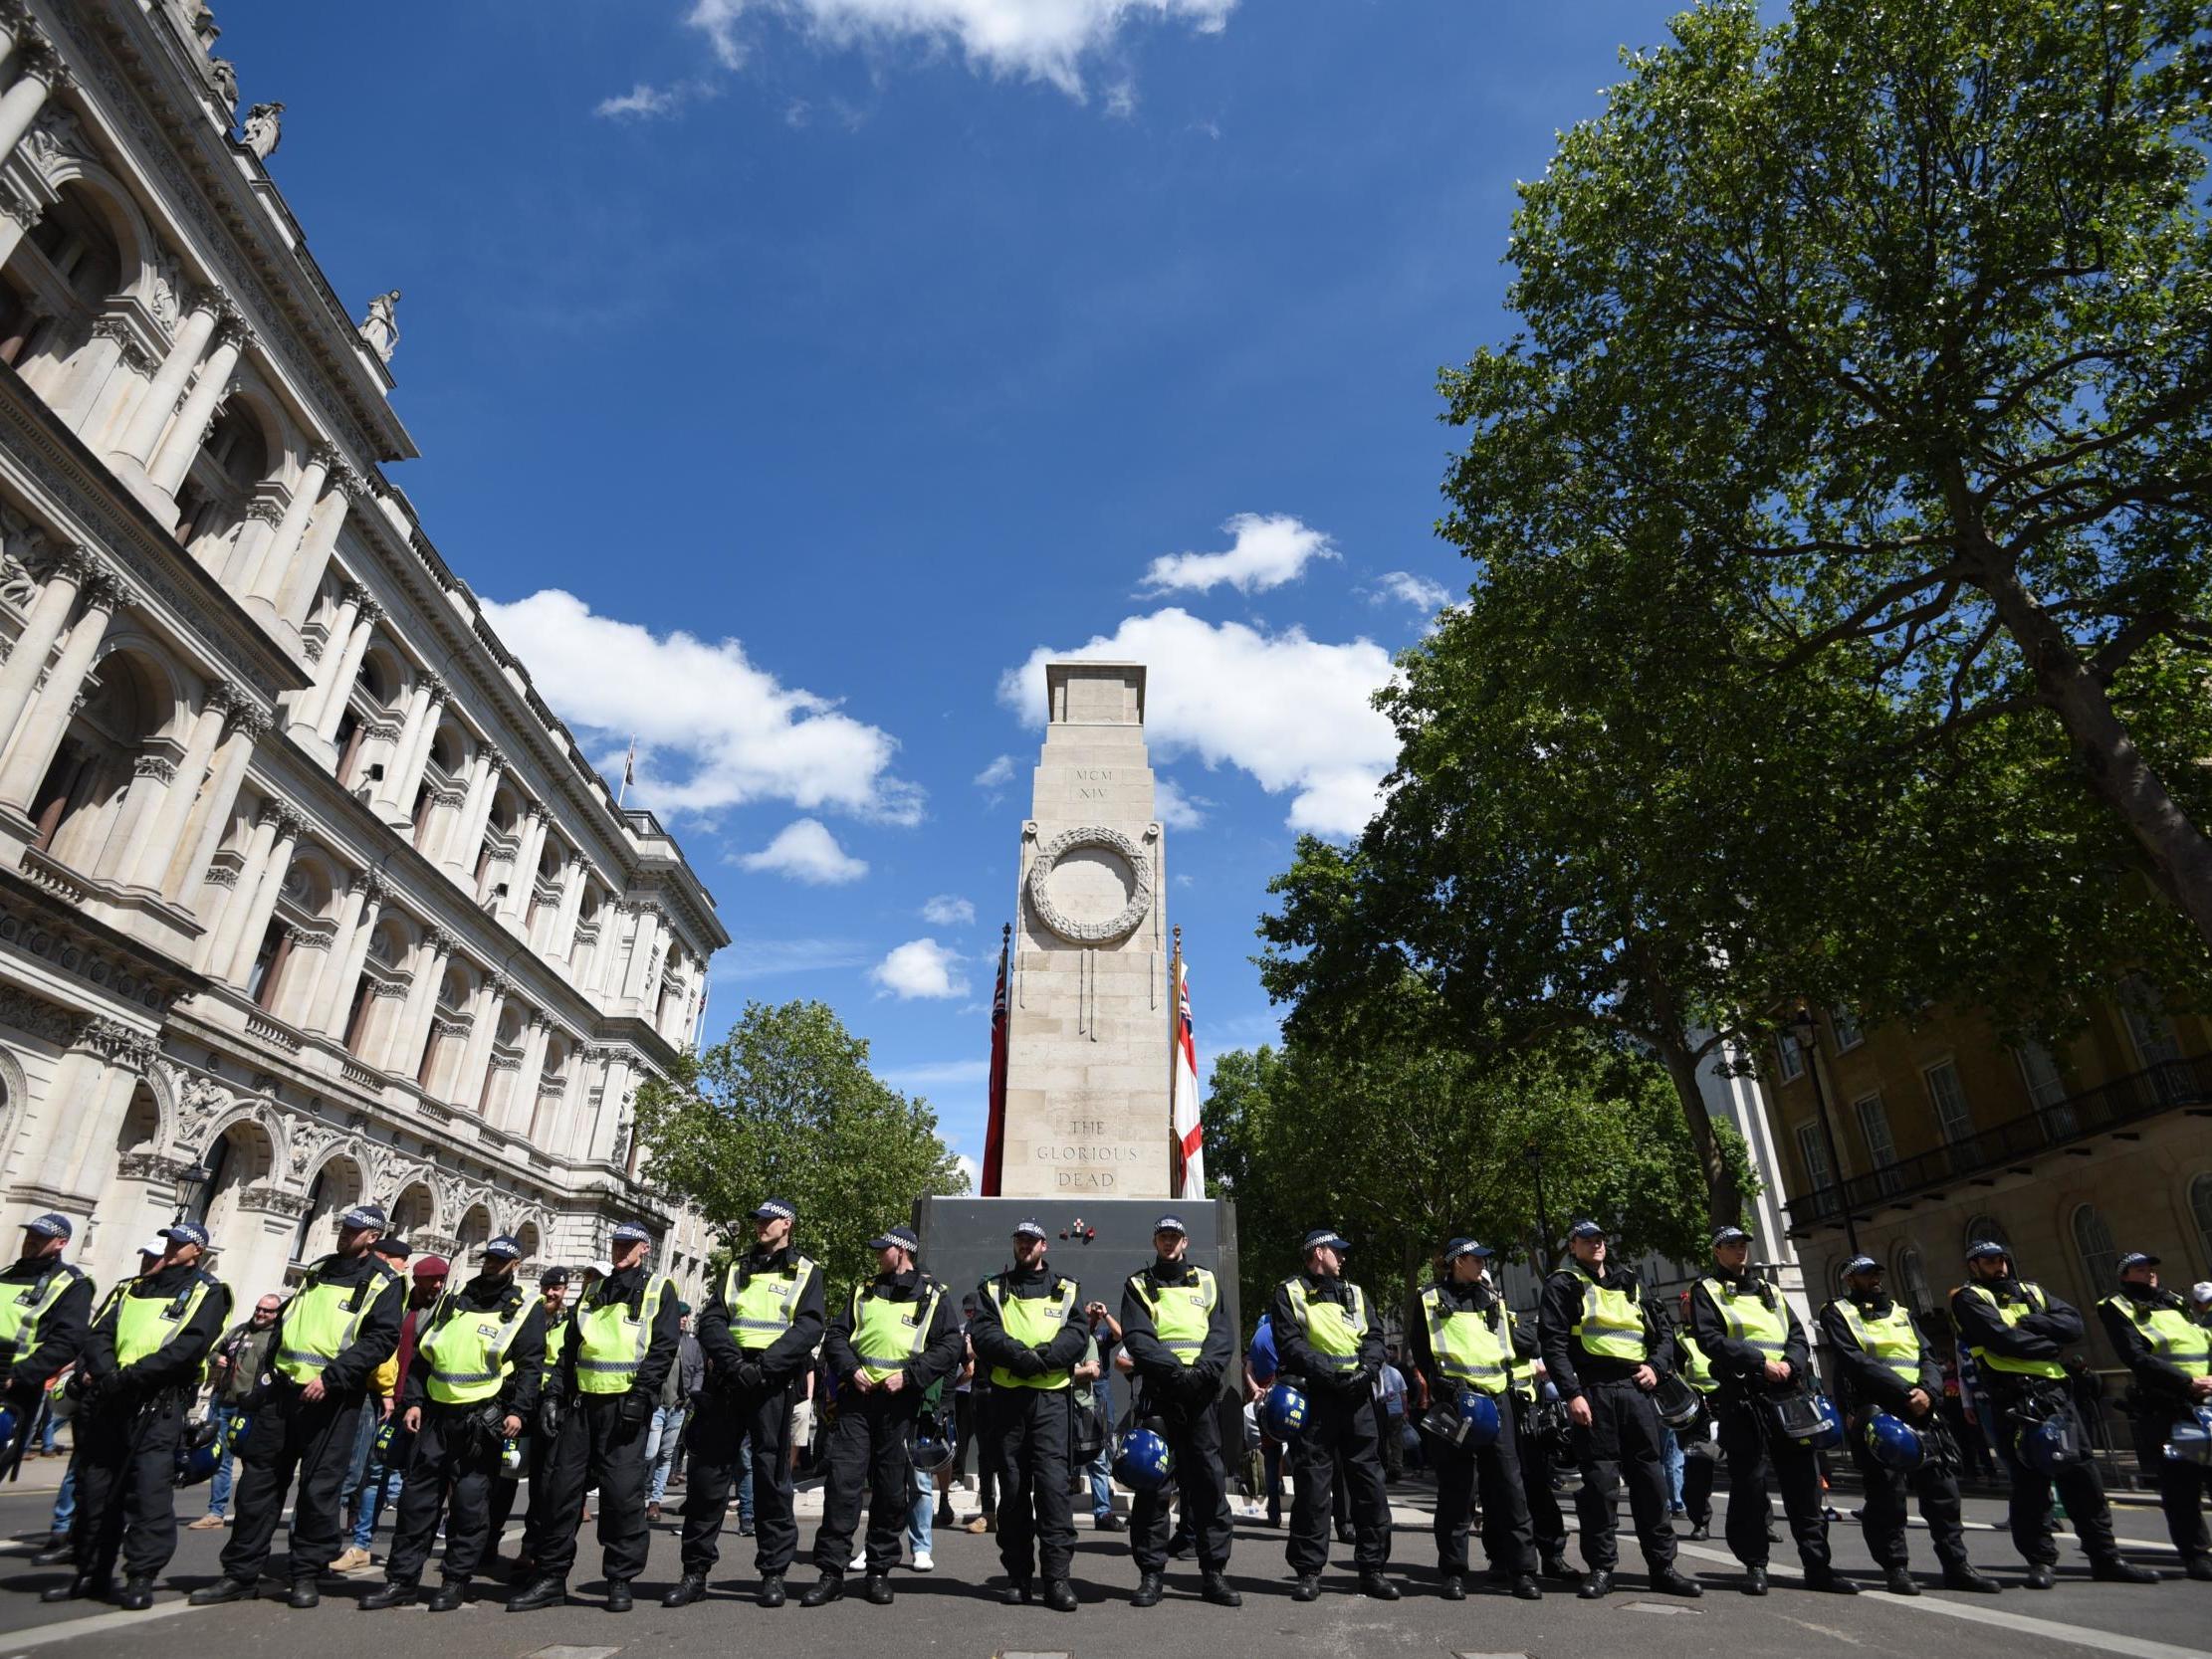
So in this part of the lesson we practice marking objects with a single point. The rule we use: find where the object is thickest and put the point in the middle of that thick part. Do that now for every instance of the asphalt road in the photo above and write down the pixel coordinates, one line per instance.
(955, 1611)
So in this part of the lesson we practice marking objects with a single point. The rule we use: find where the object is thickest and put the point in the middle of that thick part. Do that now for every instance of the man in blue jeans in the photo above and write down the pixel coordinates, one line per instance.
(233, 1369)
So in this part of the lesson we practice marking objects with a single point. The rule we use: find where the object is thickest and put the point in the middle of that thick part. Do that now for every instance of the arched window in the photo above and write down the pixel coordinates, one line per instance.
(2200, 1206)
(2092, 1242)
(1911, 1287)
(1985, 1227)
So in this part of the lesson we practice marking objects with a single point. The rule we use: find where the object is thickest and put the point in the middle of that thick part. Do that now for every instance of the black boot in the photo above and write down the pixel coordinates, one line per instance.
(225, 1589)
(1151, 1586)
(397, 1593)
(1059, 1595)
(546, 1590)
(771, 1592)
(1554, 1568)
(877, 1589)
(450, 1594)
(86, 1586)
(1015, 1594)
(1597, 1583)
(55, 1554)
(2040, 1577)
(1898, 1580)
(1700, 1533)
(619, 1600)
(2199, 1567)
(1968, 1578)
(1527, 1589)
(1754, 1580)
(689, 1589)
(1668, 1581)
(138, 1593)
(2114, 1570)
(1453, 1588)
(1373, 1583)
(1307, 1588)
(305, 1593)
(1216, 1590)
(823, 1590)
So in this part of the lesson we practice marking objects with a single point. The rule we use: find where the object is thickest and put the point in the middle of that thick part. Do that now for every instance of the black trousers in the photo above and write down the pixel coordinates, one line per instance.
(1621, 1444)
(292, 1436)
(596, 1448)
(1751, 1451)
(1195, 1437)
(714, 1440)
(2080, 1485)
(1882, 1517)
(452, 1466)
(1700, 1468)
(871, 1449)
(1508, 1535)
(2182, 1485)
(535, 1449)
(1338, 1424)
(1545, 1518)
(1029, 1432)
(125, 1462)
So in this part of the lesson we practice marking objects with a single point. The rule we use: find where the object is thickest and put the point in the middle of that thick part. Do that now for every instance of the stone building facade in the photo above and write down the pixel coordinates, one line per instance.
(306, 896)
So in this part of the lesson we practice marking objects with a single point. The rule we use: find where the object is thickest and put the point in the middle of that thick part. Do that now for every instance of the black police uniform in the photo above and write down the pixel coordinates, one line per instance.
(2160, 1395)
(749, 1392)
(1030, 1428)
(62, 1330)
(1533, 1446)
(313, 1439)
(537, 1447)
(1340, 1418)
(131, 1421)
(871, 1438)
(1508, 1535)
(1183, 1398)
(1702, 1453)
(1865, 1385)
(457, 1449)
(1623, 1441)
(601, 1442)
(2040, 1335)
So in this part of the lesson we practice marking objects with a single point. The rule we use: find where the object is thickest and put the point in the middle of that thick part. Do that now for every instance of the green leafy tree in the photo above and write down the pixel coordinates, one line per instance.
(785, 1104)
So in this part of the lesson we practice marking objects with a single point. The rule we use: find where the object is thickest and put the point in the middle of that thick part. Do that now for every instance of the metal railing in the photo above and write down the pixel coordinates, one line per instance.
(2165, 1087)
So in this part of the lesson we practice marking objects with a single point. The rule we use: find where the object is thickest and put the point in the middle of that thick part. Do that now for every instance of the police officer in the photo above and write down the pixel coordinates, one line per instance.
(1700, 1453)
(1884, 1364)
(622, 1339)
(1175, 1332)
(552, 1299)
(1464, 1341)
(141, 1371)
(45, 1309)
(894, 1339)
(340, 1325)
(2016, 1330)
(759, 1331)
(1533, 1442)
(2170, 1354)
(1028, 1333)
(1603, 1353)
(1759, 1354)
(471, 1385)
(1327, 1340)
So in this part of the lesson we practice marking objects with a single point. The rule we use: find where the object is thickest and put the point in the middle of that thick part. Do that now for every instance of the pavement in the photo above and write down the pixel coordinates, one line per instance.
(954, 1611)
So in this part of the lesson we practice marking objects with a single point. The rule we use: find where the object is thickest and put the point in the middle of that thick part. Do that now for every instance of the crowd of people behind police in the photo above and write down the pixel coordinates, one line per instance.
(499, 1383)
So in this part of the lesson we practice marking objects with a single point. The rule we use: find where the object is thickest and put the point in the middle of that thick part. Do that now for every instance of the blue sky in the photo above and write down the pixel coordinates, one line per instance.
(796, 371)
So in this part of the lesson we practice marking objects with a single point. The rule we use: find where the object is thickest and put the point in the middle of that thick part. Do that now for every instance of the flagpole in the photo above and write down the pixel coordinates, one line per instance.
(1175, 1055)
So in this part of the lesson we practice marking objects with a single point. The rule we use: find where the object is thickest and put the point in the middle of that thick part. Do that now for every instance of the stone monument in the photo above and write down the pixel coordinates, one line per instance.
(1090, 1015)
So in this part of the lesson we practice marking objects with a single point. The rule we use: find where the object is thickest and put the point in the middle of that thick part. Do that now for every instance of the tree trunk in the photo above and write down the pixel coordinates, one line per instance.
(1722, 1200)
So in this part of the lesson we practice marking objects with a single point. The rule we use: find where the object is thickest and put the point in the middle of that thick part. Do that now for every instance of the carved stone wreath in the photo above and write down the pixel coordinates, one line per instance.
(1116, 927)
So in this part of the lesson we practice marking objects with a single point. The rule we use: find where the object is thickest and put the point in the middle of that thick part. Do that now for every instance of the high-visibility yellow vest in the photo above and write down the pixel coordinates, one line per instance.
(556, 1345)
(1750, 1318)
(1031, 1321)
(612, 1337)
(2169, 1333)
(2032, 1300)
(145, 1323)
(467, 1347)
(889, 1335)
(21, 1307)
(1697, 1365)
(1892, 1339)
(1470, 1346)
(1182, 1314)
(763, 1308)
(1332, 1334)
(1609, 1325)
(323, 1321)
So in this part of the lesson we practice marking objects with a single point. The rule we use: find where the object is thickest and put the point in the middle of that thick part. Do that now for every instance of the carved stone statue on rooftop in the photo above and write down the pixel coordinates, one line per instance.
(225, 80)
(264, 129)
(380, 327)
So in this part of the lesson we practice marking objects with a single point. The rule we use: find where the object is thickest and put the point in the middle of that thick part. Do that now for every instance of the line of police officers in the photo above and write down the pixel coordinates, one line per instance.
(492, 1363)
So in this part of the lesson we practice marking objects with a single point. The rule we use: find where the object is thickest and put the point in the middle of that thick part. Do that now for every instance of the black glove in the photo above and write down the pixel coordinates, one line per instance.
(549, 1417)
(635, 1408)
(1199, 1384)
(750, 1378)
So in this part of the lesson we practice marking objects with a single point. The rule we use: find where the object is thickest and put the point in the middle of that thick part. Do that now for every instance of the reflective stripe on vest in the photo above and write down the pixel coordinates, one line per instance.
(1610, 1326)
(467, 1349)
(1467, 1347)
(21, 1310)
(1891, 1340)
(323, 1321)
(2032, 1300)
(611, 1340)
(1750, 1321)
(1031, 1321)
(556, 1345)
(145, 1324)
(1331, 1334)
(1182, 1314)
(2171, 1333)
(763, 1310)
(1697, 1366)
(889, 1335)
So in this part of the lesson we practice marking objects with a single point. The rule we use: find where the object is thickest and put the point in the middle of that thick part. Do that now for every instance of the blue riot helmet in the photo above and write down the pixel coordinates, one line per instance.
(198, 1452)
(1144, 1461)
(1893, 1443)
(935, 1445)
(2050, 1445)
(1283, 1414)
(2190, 1439)
(1479, 1412)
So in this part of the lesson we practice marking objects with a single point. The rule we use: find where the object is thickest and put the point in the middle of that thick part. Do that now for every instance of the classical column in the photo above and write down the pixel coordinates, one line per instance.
(475, 1054)
(634, 978)
(16, 28)
(224, 941)
(67, 574)
(311, 982)
(274, 559)
(90, 1090)
(349, 951)
(562, 940)
(614, 1104)
(256, 916)
(403, 1053)
(330, 711)
(49, 714)
(158, 401)
(153, 840)
(295, 586)
(173, 459)
(523, 1102)
(42, 76)
(404, 775)
(529, 842)
(475, 812)
(337, 645)
(203, 839)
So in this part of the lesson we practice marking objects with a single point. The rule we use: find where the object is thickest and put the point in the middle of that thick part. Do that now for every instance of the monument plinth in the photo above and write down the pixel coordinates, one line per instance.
(1090, 1016)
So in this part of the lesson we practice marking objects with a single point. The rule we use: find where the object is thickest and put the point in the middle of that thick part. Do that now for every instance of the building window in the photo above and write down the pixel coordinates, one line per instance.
(268, 970)
(1913, 1280)
(2148, 1026)
(1873, 1123)
(309, 1216)
(1949, 1101)
(2092, 1241)
(1789, 1060)
(1986, 1227)
(1849, 1035)
(1813, 1149)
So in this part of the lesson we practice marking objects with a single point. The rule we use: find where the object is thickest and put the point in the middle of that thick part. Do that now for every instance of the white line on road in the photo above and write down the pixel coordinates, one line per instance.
(98, 1625)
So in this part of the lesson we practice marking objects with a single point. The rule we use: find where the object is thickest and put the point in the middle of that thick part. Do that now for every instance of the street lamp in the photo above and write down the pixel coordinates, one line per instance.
(1534, 1152)
(1806, 1031)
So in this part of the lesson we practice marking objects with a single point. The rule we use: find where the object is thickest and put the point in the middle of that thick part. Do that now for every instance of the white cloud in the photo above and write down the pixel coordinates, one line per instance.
(1121, 99)
(774, 958)
(641, 103)
(935, 1075)
(998, 774)
(1409, 589)
(1293, 711)
(971, 1171)
(920, 968)
(806, 852)
(713, 729)
(944, 911)
(1039, 40)
(1177, 810)
(1266, 550)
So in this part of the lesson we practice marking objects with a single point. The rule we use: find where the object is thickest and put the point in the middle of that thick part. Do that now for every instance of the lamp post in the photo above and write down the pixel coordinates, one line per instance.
(1535, 1155)
(1806, 1031)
